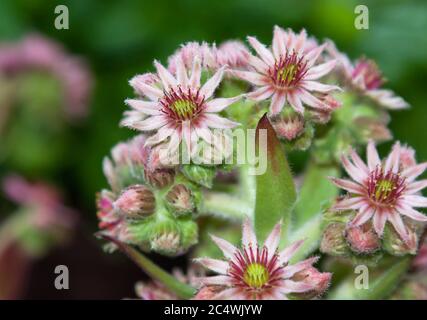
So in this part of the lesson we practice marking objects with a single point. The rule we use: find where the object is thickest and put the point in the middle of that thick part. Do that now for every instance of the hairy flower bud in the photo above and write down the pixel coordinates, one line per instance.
(362, 239)
(180, 200)
(311, 276)
(159, 178)
(288, 125)
(199, 174)
(396, 246)
(172, 237)
(333, 241)
(135, 202)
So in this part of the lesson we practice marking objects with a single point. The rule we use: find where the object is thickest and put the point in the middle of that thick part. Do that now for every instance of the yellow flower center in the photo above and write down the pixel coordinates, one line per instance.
(383, 189)
(256, 275)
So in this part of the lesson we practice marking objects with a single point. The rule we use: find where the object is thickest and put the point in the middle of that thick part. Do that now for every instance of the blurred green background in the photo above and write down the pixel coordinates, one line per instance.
(119, 39)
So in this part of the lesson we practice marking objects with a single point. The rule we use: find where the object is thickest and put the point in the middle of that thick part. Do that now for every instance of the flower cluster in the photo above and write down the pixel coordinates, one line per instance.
(307, 96)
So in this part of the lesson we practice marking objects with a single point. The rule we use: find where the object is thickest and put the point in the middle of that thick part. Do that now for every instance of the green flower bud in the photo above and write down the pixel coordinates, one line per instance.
(395, 246)
(199, 174)
(179, 200)
(333, 241)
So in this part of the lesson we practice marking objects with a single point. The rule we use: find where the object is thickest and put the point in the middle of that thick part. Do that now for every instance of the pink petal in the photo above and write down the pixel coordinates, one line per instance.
(290, 270)
(216, 281)
(226, 247)
(230, 294)
(277, 102)
(393, 160)
(300, 41)
(262, 51)
(372, 155)
(411, 213)
(292, 286)
(320, 70)
(167, 79)
(210, 86)
(358, 161)
(348, 185)
(142, 88)
(196, 73)
(215, 121)
(310, 100)
(319, 87)
(258, 64)
(215, 265)
(252, 77)
(160, 136)
(147, 107)
(398, 225)
(248, 234)
(273, 239)
(349, 203)
(354, 172)
(262, 93)
(379, 221)
(186, 135)
(295, 102)
(181, 72)
(365, 213)
(415, 201)
(204, 133)
(413, 172)
(151, 123)
(313, 55)
(416, 186)
(217, 105)
(278, 42)
(286, 254)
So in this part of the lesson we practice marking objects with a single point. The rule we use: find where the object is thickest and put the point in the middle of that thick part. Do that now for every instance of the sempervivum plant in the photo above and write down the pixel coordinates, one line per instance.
(214, 127)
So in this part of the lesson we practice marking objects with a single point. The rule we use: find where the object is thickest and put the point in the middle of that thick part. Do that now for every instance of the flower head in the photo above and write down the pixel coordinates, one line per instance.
(365, 76)
(179, 108)
(288, 72)
(259, 272)
(382, 190)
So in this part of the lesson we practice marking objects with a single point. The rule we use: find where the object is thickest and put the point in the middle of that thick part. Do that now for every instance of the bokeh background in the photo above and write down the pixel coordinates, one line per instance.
(119, 39)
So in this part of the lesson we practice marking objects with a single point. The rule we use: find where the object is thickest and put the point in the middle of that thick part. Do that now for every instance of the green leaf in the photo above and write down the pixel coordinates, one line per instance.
(275, 189)
(316, 191)
(382, 282)
(311, 232)
(182, 290)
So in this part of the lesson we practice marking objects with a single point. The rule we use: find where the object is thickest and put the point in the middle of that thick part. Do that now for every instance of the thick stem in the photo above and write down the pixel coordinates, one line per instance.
(225, 206)
(182, 290)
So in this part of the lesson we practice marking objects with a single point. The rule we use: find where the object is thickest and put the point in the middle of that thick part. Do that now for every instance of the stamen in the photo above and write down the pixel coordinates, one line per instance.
(385, 188)
(288, 70)
(182, 105)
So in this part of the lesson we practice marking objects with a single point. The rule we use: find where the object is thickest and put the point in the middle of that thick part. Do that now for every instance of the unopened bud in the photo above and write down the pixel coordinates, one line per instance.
(199, 174)
(180, 200)
(135, 202)
(288, 126)
(318, 280)
(159, 178)
(362, 239)
(333, 241)
(396, 246)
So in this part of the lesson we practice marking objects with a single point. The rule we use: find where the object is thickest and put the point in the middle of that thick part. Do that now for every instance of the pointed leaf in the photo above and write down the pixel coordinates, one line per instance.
(275, 189)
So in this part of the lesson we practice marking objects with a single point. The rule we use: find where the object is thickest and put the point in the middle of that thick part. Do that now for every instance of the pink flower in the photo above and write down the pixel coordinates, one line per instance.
(366, 77)
(232, 53)
(48, 210)
(382, 190)
(188, 52)
(36, 52)
(178, 108)
(259, 272)
(287, 72)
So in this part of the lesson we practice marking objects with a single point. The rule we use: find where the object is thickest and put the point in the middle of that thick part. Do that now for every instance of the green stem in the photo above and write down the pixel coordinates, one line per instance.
(225, 206)
(182, 290)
